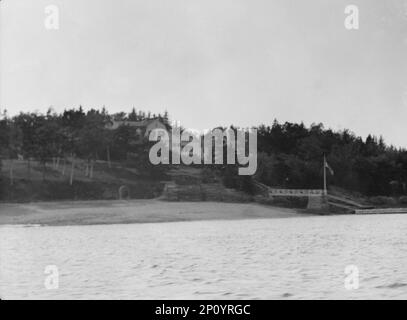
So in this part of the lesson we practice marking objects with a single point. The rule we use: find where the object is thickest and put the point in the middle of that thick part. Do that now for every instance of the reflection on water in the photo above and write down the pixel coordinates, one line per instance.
(289, 258)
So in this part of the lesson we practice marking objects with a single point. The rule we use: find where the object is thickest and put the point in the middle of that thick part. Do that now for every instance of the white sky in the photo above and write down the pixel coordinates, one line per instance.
(212, 62)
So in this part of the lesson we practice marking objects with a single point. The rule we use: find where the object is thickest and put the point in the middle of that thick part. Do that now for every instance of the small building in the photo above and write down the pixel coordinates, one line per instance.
(143, 127)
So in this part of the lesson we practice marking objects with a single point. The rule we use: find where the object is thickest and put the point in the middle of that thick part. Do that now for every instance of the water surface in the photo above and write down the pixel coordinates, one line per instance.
(291, 258)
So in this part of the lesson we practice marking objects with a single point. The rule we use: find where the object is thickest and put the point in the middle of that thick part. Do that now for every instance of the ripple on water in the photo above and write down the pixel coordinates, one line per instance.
(395, 285)
(276, 258)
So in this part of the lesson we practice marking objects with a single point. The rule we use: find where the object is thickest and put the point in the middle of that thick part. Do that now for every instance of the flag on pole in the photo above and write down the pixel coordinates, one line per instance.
(328, 167)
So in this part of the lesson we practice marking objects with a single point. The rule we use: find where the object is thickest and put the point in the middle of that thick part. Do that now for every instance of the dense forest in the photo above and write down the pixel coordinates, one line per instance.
(74, 132)
(289, 155)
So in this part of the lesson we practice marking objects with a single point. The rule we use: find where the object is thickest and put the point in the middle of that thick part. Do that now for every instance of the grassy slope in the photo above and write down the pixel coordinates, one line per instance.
(29, 184)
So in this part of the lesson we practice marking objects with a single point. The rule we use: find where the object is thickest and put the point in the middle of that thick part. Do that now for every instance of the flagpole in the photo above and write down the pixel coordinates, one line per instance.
(325, 192)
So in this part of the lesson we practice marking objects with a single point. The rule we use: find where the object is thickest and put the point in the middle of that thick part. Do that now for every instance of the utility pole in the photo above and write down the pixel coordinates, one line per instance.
(325, 190)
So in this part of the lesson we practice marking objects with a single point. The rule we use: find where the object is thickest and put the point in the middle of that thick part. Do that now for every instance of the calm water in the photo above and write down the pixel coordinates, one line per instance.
(289, 258)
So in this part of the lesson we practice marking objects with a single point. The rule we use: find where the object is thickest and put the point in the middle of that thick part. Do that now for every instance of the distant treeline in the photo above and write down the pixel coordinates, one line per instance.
(289, 155)
(71, 133)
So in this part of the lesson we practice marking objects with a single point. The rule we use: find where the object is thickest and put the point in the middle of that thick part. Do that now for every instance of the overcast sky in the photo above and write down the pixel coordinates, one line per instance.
(212, 62)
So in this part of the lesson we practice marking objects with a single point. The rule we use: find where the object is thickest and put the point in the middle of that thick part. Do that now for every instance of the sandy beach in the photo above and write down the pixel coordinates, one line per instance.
(135, 211)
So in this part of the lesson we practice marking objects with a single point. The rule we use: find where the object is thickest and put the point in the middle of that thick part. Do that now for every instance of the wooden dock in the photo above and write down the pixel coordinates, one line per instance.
(317, 199)
(381, 211)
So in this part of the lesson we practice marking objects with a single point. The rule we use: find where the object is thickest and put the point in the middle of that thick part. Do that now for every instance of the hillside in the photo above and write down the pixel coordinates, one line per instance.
(289, 155)
(31, 184)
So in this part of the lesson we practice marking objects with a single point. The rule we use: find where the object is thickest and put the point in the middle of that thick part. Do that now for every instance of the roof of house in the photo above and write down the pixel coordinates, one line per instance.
(138, 124)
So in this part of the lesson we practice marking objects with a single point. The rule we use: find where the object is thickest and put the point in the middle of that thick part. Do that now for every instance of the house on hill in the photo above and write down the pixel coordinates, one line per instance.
(142, 128)
(139, 130)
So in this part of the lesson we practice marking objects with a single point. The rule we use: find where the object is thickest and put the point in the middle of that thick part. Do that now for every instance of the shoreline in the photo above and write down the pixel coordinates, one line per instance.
(67, 213)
